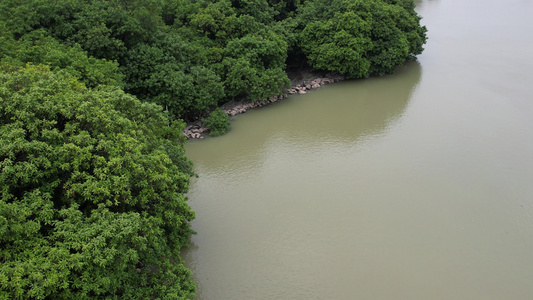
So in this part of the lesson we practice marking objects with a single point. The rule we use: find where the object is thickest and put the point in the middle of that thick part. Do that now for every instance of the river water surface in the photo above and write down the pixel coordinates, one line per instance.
(417, 185)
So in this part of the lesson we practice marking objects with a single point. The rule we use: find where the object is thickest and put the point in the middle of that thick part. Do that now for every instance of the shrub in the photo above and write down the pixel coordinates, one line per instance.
(91, 201)
(217, 122)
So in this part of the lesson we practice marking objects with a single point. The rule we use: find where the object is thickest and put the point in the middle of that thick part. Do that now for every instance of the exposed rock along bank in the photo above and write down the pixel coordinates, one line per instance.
(299, 86)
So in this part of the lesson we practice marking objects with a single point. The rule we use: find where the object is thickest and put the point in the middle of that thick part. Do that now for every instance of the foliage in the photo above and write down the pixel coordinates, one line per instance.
(166, 73)
(218, 122)
(38, 48)
(339, 44)
(217, 20)
(191, 56)
(92, 190)
(253, 66)
(360, 38)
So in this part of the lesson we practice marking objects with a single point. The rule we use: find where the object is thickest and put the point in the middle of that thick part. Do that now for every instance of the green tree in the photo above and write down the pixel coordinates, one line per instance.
(260, 10)
(339, 44)
(254, 65)
(191, 56)
(216, 20)
(171, 73)
(360, 38)
(38, 47)
(218, 122)
(92, 187)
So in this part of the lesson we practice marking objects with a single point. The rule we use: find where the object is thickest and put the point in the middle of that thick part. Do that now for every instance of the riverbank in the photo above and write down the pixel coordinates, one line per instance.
(301, 82)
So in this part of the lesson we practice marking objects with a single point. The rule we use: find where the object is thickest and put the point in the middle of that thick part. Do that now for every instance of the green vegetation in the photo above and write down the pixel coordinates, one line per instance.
(92, 192)
(218, 122)
(360, 38)
(92, 98)
(193, 56)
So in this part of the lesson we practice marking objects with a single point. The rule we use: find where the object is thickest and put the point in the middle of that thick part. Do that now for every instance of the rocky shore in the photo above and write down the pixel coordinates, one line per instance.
(300, 84)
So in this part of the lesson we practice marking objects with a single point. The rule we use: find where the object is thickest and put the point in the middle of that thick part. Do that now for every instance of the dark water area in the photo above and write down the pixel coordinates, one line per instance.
(415, 185)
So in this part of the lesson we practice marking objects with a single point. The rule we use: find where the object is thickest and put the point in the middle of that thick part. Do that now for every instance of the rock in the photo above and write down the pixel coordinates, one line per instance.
(316, 81)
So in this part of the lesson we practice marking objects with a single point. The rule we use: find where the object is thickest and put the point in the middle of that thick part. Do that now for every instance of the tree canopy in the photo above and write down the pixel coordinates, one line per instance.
(360, 38)
(193, 56)
(92, 192)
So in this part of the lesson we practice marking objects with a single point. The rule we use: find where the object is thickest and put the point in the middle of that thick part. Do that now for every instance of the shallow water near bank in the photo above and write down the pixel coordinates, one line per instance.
(415, 185)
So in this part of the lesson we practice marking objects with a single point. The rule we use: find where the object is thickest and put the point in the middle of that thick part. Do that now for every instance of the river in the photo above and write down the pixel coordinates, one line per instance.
(417, 185)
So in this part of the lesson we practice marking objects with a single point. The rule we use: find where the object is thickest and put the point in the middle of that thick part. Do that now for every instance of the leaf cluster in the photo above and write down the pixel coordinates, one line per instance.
(360, 38)
(218, 122)
(192, 56)
(92, 190)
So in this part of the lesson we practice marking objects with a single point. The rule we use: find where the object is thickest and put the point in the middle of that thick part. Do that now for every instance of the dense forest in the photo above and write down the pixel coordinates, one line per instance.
(93, 99)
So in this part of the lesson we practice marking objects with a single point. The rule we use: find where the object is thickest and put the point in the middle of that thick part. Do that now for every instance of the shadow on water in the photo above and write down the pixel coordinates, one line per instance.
(336, 116)
(351, 110)
(343, 113)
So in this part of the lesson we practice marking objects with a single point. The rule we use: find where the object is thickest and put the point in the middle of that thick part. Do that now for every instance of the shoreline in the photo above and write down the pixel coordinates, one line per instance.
(301, 82)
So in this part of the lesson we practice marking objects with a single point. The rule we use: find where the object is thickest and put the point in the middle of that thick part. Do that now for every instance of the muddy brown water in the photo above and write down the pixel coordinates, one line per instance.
(417, 185)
